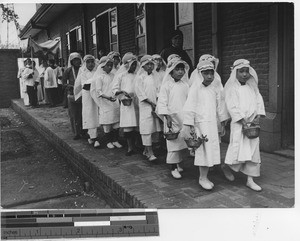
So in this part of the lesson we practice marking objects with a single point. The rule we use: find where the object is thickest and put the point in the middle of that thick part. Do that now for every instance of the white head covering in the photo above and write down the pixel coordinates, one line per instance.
(172, 63)
(172, 56)
(232, 81)
(145, 60)
(196, 74)
(102, 62)
(210, 58)
(127, 60)
(84, 74)
(156, 57)
(72, 56)
(85, 59)
(113, 54)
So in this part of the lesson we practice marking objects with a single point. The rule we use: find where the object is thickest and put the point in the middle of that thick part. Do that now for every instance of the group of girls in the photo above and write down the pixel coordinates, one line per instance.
(148, 97)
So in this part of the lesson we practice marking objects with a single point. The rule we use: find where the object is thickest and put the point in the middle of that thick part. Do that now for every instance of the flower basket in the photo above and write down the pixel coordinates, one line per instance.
(195, 142)
(171, 135)
(126, 102)
(251, 130)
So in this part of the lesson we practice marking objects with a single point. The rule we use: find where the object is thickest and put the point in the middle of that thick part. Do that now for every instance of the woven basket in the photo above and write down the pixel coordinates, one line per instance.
(171, 135)
(193, 143)
(126, 102)
(251, 130)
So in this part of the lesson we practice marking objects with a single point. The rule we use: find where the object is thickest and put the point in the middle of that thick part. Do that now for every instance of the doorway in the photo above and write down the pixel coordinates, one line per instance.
(103, 33)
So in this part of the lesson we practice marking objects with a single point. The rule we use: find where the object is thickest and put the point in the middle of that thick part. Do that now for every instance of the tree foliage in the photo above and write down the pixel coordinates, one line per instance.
(9, 15)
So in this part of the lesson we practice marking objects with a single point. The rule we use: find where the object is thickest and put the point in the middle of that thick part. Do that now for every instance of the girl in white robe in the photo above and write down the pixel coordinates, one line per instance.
(117, 60)
(90, 115)
(244, 104)
(109, 108)
(172, 97)
(218, 84)
(146, 91)
(160, 69)
(124, 86)
(201, 112)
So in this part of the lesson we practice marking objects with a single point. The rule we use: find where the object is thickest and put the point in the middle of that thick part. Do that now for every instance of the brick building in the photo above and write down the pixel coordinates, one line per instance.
(260, 32)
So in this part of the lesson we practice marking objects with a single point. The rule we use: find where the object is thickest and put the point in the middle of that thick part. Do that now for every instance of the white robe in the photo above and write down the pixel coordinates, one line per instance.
(146, 88)
(23, 92)
(128, 114)
(202, 110)
(172, 97)
(161, 75)
(242, 102)
(50, 78)
(109, 112)
(90, 112)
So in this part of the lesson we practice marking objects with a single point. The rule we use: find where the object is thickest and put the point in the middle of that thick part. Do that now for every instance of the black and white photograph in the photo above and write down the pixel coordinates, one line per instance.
(187, 108)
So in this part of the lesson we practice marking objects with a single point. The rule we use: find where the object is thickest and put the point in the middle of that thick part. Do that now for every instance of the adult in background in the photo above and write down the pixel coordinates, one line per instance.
(50, 83)
(30, 75)
(74, 107)
(23, 92)
(177, 48)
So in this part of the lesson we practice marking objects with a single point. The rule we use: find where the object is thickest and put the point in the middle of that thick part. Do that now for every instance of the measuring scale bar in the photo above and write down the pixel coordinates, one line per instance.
(83, 223)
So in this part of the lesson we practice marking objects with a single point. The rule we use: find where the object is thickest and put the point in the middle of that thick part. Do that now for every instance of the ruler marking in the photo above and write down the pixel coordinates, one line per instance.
(79, 223)
(127, 218)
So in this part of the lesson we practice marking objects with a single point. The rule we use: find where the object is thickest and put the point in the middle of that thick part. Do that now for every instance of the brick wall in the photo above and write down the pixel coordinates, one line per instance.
(203, 29)
(9, 82)
(245, 34)
(126, 24)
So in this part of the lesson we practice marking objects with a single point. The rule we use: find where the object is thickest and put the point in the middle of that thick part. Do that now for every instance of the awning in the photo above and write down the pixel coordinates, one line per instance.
(51, 46)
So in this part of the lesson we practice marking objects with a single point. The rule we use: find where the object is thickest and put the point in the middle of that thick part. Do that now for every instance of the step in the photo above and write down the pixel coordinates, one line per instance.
(286, 153)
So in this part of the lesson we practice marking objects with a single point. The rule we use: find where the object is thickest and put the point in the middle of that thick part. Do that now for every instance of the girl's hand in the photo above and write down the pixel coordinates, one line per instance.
(256, 120)
(112, 99)
(186, 131)
(169, 121)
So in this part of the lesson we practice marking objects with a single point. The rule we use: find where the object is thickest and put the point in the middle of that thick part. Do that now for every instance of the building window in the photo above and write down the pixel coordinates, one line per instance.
(105, 32)
(140, 17)
(113, 29)
(184, 21)
(74, 40)
(94, 38)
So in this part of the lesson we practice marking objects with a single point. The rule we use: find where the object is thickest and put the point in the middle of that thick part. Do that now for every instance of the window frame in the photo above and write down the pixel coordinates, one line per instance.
(137, 36)
(78, 42)
(110, 29)
(95, 49)
(177, 25)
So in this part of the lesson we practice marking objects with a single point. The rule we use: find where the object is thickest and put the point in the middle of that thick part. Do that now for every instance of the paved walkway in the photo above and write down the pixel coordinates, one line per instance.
(135, 182)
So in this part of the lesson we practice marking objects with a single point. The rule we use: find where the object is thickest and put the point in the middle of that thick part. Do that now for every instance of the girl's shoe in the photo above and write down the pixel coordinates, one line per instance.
(117, 144)
(152, 158)
(252, 185)
(205, 184)
(91, 141)
(96, 144)
(110, 145)
(175, 173)
(179, 168)
(227, 173)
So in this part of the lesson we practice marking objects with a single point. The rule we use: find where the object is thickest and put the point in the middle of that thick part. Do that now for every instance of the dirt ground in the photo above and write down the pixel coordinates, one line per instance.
(34, 175)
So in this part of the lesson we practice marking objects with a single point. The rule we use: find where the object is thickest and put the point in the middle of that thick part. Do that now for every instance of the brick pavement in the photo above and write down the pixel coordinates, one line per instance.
(135, 182)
